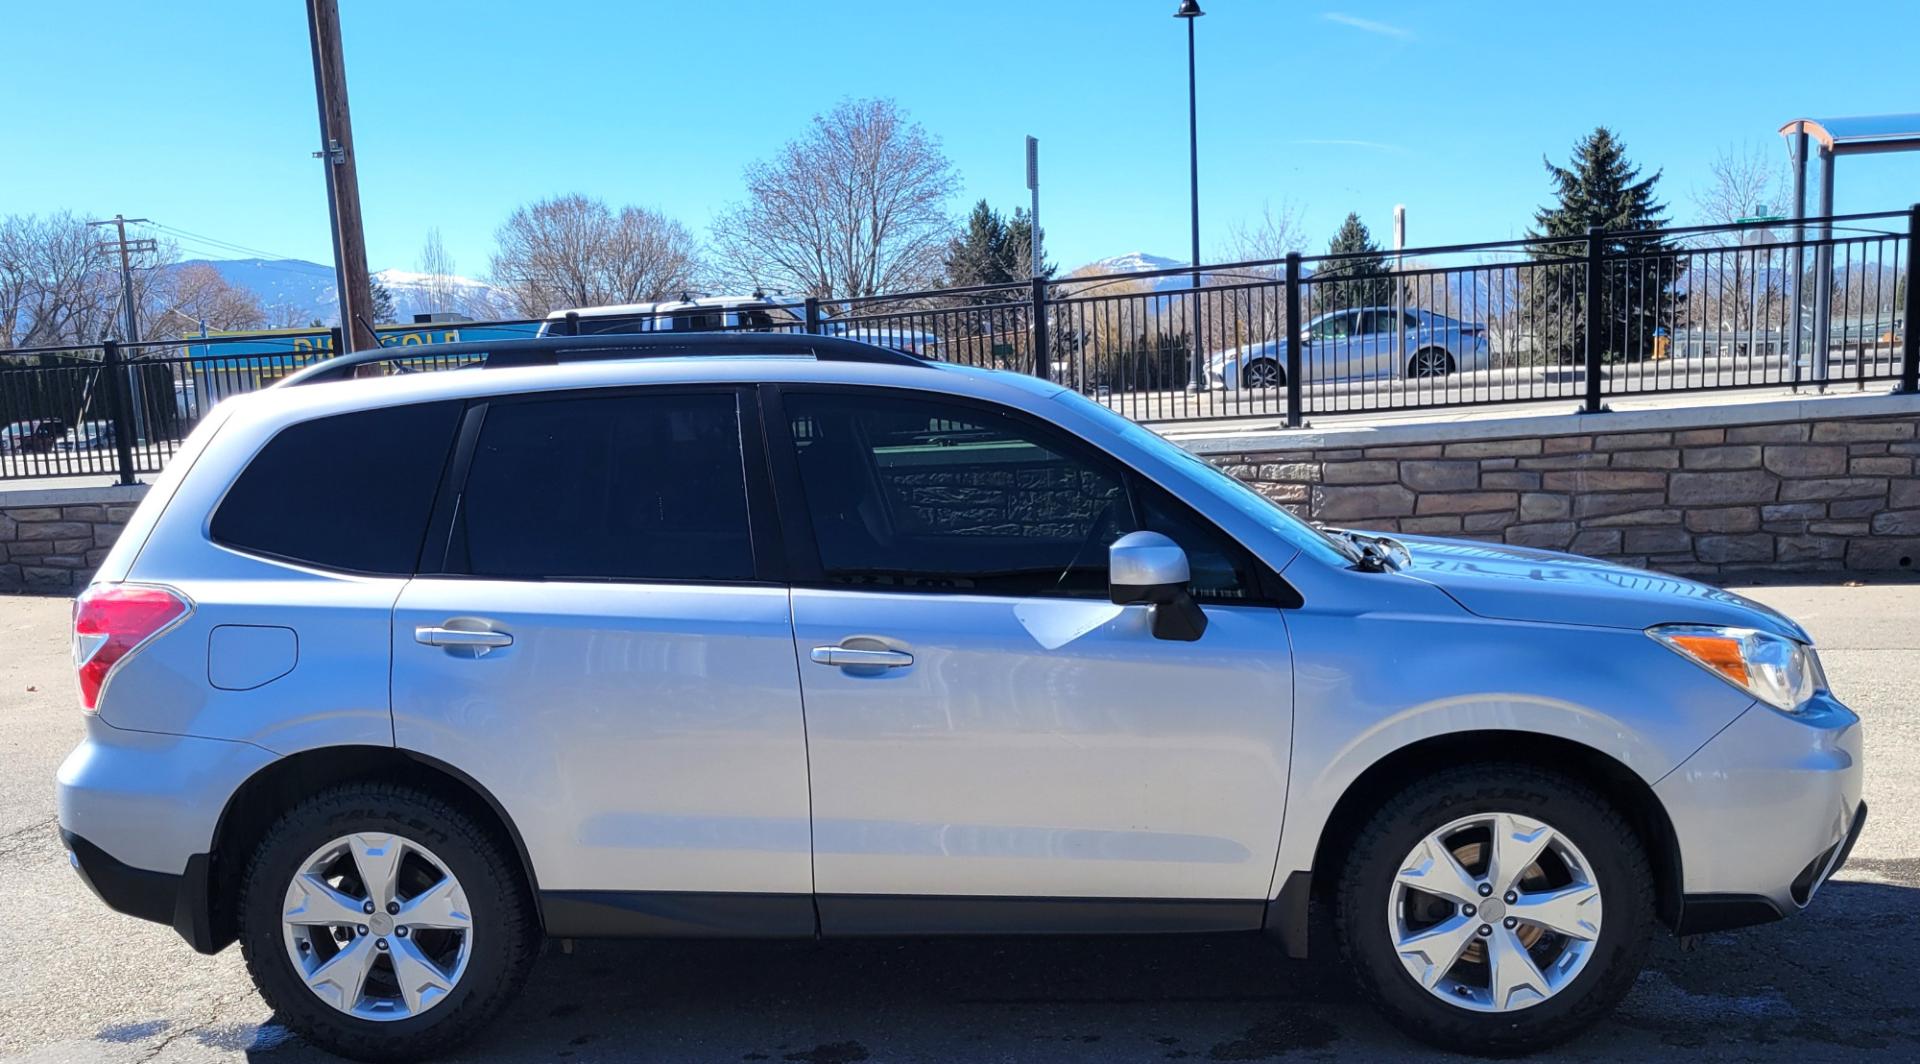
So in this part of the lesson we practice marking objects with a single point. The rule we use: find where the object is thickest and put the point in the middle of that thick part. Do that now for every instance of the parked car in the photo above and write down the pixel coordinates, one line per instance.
(89, 436)
(1365, 342)
(389, 677)
(895, 335)
(688, 314)
(32, 437)
(729, 313)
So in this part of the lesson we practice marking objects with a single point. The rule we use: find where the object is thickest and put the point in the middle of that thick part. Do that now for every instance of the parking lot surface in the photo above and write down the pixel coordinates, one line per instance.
(1838, 982)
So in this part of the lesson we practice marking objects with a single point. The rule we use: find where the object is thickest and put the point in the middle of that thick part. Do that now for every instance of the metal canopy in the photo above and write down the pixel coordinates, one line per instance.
(1859, 134)
(1834, 137)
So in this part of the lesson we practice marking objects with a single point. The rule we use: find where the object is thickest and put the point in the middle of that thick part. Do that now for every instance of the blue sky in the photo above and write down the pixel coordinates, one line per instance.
(201, 114)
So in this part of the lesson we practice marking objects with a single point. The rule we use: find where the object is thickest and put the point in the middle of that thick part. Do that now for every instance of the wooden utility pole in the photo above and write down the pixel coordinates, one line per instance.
(343, 183)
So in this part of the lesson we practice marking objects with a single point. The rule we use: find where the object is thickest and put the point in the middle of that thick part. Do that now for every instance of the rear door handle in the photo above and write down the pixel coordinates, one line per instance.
(846, 656)
(477, 641)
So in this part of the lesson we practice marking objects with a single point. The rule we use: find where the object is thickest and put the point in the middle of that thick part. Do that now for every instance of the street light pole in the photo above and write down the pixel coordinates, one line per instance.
(1190, 10)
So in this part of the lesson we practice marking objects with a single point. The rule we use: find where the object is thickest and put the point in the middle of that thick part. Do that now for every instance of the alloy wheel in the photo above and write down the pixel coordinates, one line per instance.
(377, 926)
(1494, 912)
(1264, 373)
(1431, 362)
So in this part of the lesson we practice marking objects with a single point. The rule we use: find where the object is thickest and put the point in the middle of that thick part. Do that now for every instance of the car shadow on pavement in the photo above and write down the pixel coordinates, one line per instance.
(1823, 985)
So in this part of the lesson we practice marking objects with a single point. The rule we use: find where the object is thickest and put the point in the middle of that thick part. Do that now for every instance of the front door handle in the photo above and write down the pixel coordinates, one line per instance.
(844, 657)
(477, 642)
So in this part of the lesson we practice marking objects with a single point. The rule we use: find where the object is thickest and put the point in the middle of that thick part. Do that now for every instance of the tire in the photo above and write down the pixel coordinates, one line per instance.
(1431, 362)
(1263, 373)
(1454, 1016)
(488, 961)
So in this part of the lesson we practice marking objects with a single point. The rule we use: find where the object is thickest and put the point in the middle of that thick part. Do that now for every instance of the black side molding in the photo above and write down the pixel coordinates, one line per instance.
(179, 901)
(892, 914)
(675, 914)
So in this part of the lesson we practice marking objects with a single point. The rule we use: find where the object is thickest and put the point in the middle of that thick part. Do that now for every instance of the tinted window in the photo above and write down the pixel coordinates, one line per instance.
(927, 495)
(1222, 570)
(629, 487)
(1335, 327)
(1377, 321)
(352, 491)
(600, 324)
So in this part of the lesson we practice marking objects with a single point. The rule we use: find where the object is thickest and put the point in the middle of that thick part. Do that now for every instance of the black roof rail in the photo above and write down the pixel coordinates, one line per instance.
(553, 350)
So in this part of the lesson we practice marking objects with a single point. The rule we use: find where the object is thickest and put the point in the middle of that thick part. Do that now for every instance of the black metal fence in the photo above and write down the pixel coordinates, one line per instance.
(1817, 303)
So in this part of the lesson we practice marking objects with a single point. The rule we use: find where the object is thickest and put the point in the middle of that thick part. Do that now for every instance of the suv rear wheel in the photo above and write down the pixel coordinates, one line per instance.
(1495, 909)
(382, 923)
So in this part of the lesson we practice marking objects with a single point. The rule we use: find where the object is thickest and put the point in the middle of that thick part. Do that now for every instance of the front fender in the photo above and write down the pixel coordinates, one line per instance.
(1369, 684)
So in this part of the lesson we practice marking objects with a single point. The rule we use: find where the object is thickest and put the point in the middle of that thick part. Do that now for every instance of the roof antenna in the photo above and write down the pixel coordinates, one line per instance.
(371, 331)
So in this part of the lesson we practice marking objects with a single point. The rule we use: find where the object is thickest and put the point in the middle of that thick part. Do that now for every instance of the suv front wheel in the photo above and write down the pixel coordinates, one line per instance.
(381, 923)
(1495, 909)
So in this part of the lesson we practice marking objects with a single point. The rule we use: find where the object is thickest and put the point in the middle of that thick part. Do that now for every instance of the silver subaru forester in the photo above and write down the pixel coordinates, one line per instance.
(768, 635)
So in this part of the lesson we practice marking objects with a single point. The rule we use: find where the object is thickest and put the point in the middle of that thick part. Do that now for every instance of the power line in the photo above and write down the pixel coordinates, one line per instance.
(227, 244)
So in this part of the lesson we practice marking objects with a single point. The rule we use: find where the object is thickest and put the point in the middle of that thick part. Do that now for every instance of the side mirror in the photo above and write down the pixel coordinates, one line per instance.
(1149, 568)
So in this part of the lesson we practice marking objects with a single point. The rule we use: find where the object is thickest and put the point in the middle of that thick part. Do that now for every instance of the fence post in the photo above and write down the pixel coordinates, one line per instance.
(813, 314)
(335, 342)
(1042, 367)
(1910, 325)
(1293, 339)
(113, 368)
(1590, 341)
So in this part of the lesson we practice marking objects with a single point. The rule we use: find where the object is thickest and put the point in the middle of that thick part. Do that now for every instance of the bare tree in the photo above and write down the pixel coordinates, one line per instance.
(55, 281)
(196, 294)
(856, 206)
(436, 265)
(1271, 234)
(1742, 182)
(574, 251)
(1740, 290)
(1248, 305)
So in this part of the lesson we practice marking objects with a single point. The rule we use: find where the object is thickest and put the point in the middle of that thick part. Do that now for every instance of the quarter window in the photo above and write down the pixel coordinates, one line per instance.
(641, 487)
(351, 491)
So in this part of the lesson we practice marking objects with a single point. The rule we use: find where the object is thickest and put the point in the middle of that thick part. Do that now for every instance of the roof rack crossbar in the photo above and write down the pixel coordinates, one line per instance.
(553, 350)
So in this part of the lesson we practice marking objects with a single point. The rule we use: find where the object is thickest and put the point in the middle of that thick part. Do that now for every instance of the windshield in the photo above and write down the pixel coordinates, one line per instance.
(1269, 514)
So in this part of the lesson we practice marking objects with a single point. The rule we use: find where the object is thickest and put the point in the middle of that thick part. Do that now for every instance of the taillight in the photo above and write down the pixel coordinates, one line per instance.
(110, 622)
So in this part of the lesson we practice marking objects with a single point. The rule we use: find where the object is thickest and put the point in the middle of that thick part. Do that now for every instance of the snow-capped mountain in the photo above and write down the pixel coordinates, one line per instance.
(296, 292)
(413, 293)
(1130, 262)
(293, 291)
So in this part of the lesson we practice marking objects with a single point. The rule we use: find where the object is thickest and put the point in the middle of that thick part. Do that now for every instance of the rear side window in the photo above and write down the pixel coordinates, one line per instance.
(351, 491)
(639, 487)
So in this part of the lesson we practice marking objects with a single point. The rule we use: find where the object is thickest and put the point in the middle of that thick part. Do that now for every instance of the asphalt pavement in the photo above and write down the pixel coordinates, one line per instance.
(79, 983)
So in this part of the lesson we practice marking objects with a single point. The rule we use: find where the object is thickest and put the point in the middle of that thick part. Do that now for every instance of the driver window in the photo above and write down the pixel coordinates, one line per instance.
(1335, 327)
(928, 495)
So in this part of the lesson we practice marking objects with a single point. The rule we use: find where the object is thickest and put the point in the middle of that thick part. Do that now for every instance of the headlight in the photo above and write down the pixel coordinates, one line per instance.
(1781, 672)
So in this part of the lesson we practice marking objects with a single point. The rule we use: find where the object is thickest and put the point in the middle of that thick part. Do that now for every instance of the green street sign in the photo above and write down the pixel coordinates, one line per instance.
(1762, 218)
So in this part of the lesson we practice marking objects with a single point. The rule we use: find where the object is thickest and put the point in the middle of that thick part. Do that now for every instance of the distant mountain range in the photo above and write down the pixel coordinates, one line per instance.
(296, 292)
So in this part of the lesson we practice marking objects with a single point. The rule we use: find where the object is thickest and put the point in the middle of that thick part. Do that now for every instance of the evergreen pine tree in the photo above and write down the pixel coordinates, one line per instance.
(1018, 253)
(1363, 281)
(973, 257)
(383, 308)
(1602, 188)
(993, 250)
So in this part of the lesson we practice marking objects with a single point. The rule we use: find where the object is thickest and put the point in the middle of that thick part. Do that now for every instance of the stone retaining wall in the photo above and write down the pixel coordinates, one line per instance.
(52, 539)
(1816, 493)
